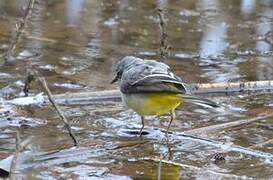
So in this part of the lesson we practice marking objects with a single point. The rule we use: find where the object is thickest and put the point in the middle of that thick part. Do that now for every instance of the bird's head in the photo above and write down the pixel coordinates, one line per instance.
(124, 65)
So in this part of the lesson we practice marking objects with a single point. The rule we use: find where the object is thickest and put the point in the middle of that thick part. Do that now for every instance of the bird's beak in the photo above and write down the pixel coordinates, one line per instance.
(114, 80)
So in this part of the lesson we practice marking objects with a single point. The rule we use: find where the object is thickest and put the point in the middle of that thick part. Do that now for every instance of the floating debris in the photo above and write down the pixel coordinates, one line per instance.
(26, 54)
(189, 13)
(110, 22)
(39, 99)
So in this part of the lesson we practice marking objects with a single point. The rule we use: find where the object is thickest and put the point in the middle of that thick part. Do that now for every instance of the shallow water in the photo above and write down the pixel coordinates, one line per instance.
(75, 43)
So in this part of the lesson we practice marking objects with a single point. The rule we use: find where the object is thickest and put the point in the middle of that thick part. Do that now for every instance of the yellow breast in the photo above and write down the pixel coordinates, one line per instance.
(152, 103)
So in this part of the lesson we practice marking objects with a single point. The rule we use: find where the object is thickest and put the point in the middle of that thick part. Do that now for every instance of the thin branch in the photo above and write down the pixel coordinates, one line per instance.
(228, 125)
(164, 47)
(56, 107)
(20, 27)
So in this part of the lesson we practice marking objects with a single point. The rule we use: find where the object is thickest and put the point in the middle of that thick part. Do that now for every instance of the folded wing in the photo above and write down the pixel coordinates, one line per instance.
(150, 77)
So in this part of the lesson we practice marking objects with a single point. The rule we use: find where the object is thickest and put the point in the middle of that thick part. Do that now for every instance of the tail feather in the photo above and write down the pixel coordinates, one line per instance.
(199, 101)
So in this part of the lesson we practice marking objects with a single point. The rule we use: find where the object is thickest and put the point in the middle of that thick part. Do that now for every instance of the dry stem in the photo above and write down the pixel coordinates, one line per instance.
(56, 107)
(20, 27)
(164, 47)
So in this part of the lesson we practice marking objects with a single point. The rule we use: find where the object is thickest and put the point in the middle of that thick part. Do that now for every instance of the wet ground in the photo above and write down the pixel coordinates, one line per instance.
(75, 43)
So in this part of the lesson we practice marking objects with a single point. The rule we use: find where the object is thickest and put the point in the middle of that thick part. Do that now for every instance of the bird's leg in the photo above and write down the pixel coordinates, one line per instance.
(170, 122)
(142, 122)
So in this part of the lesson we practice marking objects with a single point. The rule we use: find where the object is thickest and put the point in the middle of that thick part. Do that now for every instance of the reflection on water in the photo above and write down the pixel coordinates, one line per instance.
(162, 4)
(37, 27)
(73, 11)
(74, 44)
(247, 7)
(264, 26)
(213, 43)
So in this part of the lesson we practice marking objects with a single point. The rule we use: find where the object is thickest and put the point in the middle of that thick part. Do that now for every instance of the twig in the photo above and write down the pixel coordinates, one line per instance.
(164, 47)
(228, 146)
(30, 77)
(20, 26)
(60, 113)
(179, 137)
(20, 146)
(195, 168)
(224, 126)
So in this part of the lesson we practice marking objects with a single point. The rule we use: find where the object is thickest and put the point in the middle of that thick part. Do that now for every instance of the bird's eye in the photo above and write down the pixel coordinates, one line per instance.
(119, 74)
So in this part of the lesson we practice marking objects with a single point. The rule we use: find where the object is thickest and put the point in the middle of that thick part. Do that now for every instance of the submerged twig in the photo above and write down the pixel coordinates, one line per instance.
(228, 125)
(180, 137)
(270, 141)
(56, 107)
(19, 29)
(20, 146)
(194, 168)
(164, 47)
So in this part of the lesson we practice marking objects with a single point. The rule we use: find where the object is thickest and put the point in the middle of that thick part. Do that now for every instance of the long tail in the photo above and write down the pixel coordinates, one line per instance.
(199, 101)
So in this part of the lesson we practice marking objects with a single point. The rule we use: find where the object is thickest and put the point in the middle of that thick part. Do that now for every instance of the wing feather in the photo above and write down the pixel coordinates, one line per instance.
(147, 78)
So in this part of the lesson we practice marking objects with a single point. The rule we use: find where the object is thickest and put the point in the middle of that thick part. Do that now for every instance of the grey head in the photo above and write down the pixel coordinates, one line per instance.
(125, 64)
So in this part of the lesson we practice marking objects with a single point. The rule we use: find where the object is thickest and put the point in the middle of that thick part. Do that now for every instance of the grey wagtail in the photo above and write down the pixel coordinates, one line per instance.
(150, 88)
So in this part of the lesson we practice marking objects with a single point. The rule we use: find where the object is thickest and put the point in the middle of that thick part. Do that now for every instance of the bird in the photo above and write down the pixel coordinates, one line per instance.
(150, 88)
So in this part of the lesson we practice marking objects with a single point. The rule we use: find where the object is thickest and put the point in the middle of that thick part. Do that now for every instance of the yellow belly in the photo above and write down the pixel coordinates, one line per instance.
(152, 103)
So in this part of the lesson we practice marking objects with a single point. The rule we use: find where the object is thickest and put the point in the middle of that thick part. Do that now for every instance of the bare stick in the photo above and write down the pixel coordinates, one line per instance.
(88, 97)
(20, 146)
(163, 35)
(112, 96)
(194, 168)
(229, 87)
(20, 26)
(224, 126)
(57, 108)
